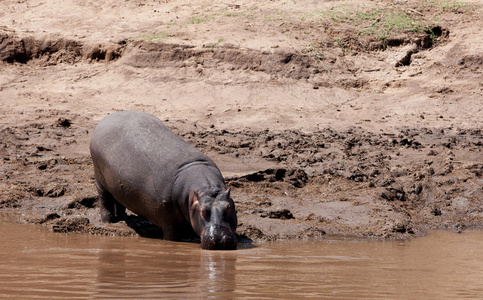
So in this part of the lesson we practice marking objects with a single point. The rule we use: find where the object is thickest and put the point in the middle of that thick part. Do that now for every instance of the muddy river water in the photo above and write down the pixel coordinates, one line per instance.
(38, 264)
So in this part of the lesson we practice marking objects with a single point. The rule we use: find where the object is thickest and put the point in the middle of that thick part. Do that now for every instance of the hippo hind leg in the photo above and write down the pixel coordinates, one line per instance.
(111, 210)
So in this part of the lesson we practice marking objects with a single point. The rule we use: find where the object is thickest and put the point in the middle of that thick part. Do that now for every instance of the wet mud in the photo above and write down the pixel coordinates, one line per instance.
(349, 182)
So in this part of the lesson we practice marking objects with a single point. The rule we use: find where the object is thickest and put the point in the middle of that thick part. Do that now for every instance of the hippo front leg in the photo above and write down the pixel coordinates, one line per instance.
(169, 233)
(178, 232)
(111, 210)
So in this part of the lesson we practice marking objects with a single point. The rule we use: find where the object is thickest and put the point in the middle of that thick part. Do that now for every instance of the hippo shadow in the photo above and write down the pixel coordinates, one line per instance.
(143, 227)
(146, 229)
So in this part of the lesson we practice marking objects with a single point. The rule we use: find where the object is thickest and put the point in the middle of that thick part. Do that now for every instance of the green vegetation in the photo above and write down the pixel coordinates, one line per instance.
(387, 21)
(382, 23)
(156, 37)
(212, 46)
(359, 24)
(277, 16)
(391, 23)
(198, 20)
(449, 5)
(348, 24)
(314, 51)
(340, 42)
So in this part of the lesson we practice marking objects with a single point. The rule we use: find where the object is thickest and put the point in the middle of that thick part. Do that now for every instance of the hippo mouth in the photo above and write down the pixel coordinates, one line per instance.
(216, 237)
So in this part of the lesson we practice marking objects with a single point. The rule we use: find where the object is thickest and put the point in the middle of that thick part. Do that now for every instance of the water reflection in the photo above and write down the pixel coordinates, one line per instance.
(36, 264)
(158, 269)
(217, 274)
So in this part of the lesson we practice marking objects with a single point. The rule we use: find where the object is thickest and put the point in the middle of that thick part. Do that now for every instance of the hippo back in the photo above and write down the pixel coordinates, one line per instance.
(137, 151)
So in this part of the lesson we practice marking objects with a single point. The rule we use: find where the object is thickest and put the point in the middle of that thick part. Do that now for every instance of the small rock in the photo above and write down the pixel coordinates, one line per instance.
(283, 214)
(63, 122)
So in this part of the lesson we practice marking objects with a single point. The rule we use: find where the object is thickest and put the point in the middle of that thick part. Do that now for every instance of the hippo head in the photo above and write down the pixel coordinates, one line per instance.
(213, 217)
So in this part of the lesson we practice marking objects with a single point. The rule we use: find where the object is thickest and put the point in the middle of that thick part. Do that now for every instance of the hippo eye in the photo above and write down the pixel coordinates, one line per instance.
(228, 210)
(205, 213)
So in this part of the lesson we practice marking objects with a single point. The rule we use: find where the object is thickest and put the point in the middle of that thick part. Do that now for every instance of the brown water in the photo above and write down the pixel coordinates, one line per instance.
(36, 264)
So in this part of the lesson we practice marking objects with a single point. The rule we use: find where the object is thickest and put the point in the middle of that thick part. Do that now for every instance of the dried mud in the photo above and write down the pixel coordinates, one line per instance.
(352, 160)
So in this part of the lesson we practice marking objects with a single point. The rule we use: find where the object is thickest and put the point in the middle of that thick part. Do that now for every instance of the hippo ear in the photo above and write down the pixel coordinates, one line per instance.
(195, 199)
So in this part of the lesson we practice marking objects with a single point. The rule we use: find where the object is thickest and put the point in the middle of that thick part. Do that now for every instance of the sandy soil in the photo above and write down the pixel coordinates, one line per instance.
(320, 126)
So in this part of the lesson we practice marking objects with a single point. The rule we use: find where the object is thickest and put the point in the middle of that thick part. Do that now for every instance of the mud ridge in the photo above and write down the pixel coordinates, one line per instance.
(52, 51)
(154, 55)
(281, 63)
(142, 54)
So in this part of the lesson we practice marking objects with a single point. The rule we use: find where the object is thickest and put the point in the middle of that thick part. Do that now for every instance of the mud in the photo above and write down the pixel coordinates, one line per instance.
(319, 128)
(14, 49)
(349, 182)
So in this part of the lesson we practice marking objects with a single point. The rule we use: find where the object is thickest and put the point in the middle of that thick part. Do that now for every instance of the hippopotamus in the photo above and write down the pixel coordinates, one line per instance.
(141, 165)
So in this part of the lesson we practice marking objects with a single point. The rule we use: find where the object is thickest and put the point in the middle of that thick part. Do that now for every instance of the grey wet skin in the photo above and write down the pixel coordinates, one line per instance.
(141, 165)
